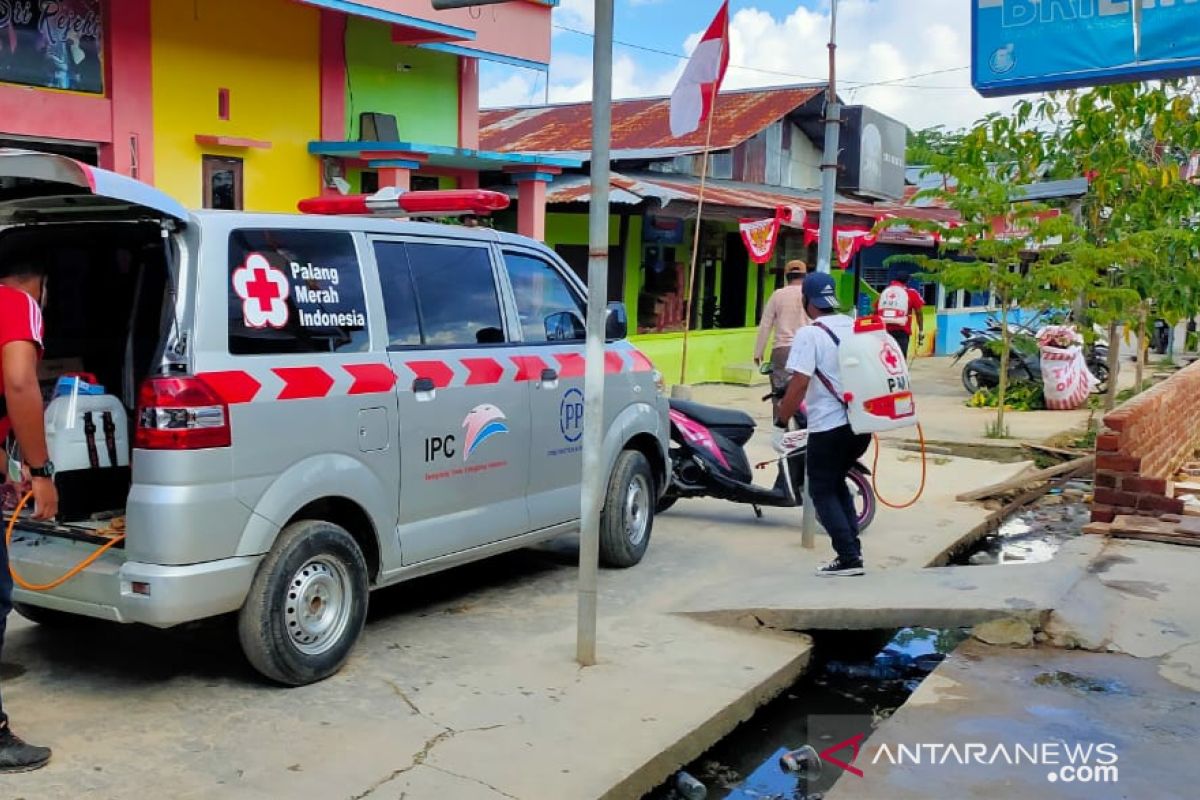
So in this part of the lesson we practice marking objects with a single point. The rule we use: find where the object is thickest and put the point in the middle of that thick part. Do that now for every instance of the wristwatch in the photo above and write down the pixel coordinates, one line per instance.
(44, 471)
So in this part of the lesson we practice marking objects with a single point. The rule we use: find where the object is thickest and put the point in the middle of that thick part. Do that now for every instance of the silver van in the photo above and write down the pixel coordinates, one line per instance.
(314, 407)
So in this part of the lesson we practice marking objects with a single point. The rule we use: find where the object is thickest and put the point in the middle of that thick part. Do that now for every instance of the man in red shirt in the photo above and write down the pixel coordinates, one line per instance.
(22, 289)
(891, 310)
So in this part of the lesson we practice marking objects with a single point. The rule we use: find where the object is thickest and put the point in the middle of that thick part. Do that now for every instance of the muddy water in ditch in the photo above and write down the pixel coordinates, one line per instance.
(860, 677)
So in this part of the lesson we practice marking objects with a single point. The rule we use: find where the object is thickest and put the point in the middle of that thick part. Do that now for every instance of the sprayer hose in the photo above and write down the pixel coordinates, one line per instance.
(875, 473)
(71, 573)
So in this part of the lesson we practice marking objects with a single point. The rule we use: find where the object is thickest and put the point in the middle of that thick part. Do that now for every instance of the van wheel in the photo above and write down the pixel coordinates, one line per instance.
(52, 618)
(627, 516)
(307, 604)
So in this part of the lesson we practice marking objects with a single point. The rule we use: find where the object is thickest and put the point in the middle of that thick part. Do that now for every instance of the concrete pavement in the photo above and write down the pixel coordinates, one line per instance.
(464, 684)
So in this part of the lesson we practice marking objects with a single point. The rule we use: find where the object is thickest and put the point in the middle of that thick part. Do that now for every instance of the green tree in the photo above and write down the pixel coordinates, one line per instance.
(928, 144)
(999, 244)
(1132, 141)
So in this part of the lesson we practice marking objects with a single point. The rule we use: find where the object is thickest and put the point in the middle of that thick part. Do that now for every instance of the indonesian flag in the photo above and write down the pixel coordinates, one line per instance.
(693, 97)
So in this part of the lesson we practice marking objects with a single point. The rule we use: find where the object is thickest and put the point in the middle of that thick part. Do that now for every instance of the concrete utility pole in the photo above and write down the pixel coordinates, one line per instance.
(593, 386)
(829, 171)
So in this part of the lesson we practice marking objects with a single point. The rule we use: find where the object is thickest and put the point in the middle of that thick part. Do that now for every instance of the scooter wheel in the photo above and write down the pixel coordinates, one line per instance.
(971, 379)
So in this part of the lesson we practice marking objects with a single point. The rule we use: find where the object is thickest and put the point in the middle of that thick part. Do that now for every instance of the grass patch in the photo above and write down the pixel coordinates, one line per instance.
(995, 431)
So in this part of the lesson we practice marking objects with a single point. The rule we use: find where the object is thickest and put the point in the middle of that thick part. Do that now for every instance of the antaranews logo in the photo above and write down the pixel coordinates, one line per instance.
(841, 743)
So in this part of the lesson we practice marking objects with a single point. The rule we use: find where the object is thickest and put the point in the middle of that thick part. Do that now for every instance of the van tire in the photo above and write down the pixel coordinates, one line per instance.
(52, 618)
(326, 568)
(627, 515)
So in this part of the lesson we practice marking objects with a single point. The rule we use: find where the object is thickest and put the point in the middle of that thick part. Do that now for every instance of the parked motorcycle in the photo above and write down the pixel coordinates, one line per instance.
(708, 460)
(983, 372)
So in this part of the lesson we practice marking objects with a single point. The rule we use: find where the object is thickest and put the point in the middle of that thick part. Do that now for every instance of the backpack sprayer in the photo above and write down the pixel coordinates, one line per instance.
(876, 390)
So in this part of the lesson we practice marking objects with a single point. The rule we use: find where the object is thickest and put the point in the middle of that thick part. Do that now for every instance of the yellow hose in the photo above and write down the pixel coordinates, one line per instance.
(71, 573)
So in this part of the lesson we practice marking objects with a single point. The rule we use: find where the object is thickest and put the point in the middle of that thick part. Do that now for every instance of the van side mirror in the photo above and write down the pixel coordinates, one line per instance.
(616, 322)
(564, 327)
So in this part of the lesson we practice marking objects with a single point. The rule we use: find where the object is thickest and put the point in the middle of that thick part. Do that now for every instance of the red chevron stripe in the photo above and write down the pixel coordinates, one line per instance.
(371, 378)
(303, 383)
(640, 362)
(233, 386)
(572, 365)
(437, 371)
(529, 368)
(613, 363)
(483, 371)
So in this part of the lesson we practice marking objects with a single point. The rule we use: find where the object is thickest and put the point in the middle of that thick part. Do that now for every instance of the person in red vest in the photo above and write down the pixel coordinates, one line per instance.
(897, 305)
(22, 292)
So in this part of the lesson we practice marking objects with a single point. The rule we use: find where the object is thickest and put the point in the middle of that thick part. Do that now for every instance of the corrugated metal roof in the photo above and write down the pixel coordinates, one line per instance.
(627, 189)
(642, 124)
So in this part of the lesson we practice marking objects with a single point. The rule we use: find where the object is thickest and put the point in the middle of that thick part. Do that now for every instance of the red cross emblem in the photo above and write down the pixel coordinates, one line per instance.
(264, 291)
(893, 362)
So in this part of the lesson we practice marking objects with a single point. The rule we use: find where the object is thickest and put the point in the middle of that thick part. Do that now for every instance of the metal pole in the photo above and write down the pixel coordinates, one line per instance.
(833, 114)
(593, 386)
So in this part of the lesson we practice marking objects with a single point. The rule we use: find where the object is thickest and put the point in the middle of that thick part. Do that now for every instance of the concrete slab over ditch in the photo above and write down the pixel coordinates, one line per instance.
(1135, 606)
(935, 598)
(464, 684)
(995, 696)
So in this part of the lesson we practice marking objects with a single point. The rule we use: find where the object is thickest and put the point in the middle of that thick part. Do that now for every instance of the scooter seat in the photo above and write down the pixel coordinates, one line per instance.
(711, 417)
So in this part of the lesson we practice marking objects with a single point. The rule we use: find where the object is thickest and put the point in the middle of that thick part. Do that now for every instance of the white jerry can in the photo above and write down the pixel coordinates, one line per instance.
(875, 379)
(87, 431)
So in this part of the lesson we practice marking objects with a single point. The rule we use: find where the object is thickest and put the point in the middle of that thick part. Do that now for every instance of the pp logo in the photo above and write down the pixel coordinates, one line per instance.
(570, 416)
(264, 291)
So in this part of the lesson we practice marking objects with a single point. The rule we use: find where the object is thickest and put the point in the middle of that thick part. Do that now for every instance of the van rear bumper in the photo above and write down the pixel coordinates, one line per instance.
(177, 594)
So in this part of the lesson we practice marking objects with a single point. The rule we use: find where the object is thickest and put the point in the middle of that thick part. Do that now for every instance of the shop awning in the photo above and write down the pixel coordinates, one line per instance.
(416, 28)
(381, 154)
(722, 198)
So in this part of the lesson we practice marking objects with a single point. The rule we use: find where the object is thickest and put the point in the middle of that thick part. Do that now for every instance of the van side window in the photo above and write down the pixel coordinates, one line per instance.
(294, 291)
(456, 294)
(399, 294)
(549, 310)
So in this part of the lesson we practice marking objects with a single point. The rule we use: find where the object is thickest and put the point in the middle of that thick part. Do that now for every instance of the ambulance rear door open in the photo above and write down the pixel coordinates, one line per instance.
(43, 187)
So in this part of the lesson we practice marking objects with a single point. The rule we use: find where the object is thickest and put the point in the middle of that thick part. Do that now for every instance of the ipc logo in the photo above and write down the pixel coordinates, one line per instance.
(570, 416)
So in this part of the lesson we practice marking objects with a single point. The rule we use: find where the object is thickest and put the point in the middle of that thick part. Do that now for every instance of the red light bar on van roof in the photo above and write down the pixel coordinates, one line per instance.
(394, 202)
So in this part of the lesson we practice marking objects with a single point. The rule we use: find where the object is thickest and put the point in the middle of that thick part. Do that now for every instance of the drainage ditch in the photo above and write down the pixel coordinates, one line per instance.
(859, 676)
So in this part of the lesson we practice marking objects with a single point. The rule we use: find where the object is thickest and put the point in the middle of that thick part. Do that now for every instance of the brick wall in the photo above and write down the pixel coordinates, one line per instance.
(1142, 444)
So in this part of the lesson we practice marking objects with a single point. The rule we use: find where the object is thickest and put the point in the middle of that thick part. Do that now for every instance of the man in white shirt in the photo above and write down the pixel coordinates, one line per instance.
(832, 446)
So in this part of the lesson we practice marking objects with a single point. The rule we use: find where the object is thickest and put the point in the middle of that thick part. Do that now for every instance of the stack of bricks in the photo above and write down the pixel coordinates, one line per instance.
(1141, 446)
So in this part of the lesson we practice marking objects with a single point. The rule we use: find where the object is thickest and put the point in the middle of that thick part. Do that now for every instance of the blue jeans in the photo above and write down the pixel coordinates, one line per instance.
(830, 456)
(6, 590)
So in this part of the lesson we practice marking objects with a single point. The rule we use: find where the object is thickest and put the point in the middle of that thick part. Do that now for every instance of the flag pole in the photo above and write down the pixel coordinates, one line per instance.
(691, 286)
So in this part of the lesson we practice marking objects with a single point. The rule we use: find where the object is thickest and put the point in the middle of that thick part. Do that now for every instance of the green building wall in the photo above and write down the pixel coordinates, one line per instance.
(709, 352)
(420, 87)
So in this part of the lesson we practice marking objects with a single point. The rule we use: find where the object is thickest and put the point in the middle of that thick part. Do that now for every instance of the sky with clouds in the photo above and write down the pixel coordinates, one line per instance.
(882, 45)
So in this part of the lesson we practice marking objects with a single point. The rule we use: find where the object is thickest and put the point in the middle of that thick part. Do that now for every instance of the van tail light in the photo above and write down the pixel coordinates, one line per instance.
(181, 413)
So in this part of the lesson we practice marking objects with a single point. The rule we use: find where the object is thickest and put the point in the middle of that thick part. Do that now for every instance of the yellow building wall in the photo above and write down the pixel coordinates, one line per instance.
(267, 54)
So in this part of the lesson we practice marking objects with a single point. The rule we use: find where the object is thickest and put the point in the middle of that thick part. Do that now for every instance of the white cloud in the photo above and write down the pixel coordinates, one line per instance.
(878, 40)
(576, 14)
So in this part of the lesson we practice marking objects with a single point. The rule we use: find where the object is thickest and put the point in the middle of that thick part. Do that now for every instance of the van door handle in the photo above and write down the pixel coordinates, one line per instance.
(424, 389)
(549, 375)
